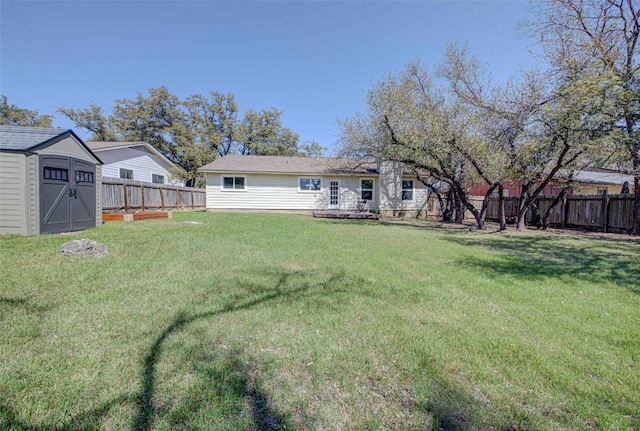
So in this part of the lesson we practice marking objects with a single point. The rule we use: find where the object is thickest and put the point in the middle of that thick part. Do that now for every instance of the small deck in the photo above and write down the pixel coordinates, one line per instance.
(346, 215)
(135, 216)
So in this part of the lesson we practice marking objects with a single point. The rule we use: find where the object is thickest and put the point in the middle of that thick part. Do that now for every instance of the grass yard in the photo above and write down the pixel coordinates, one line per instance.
(273, 322)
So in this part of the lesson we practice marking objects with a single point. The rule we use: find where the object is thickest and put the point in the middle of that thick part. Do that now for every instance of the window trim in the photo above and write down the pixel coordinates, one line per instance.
(126, 170)
(301, 190)
(373, 189)
(412, 189)
(234, 189)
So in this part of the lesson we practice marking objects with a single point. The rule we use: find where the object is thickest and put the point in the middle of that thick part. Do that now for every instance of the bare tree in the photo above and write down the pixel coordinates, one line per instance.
(592, 46)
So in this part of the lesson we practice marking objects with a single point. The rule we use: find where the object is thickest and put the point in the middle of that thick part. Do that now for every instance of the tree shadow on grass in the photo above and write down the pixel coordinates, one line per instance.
(25, 304)
(264, 418)
(88, 420)
(537, 258)
(290, 285)
(453, 406)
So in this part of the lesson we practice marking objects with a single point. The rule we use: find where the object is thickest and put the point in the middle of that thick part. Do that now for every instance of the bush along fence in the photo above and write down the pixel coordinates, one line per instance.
(605, 213)
(128, 195)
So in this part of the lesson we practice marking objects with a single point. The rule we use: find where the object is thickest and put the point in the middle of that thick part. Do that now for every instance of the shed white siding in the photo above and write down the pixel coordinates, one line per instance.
(32, 195)
(12, 193)
(143, 164)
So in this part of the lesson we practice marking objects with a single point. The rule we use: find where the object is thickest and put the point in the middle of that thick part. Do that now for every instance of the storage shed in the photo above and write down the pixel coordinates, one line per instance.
(50, 181)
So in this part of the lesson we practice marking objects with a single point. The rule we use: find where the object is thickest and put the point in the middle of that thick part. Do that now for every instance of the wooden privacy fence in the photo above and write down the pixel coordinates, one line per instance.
(119, 194)
(602, 212)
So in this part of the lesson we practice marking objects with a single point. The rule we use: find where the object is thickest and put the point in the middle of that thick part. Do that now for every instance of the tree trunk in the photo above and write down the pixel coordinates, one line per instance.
(522, 215)
(545, 218)
(635, 150)
(457, 204)
(636, 205)
(501, 215)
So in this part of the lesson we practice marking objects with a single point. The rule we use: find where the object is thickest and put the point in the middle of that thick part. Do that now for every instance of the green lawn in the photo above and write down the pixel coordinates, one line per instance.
(271, 321)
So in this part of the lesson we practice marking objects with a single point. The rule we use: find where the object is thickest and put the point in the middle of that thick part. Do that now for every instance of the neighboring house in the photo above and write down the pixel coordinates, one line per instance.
(49, 182)
(601, 182)
(137, 161)
(307, 184)
(587, 182)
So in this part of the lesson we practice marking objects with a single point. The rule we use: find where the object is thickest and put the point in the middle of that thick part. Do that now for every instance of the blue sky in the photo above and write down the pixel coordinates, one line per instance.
(313, 60)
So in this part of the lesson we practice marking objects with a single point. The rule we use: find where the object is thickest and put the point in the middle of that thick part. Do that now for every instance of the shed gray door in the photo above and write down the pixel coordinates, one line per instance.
(67, 194)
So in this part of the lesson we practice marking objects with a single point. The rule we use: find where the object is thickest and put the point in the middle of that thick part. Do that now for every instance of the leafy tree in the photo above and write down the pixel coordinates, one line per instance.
(214, 121)
(13, 115)
(592, 47)
(262, 134)
(410, 120)
(190, 132)
(311, 149)
(531, 131)
(92, 119)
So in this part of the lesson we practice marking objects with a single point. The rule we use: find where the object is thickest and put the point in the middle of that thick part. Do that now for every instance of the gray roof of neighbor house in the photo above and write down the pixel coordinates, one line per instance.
(290, 165)
(598, 177)
(99, 146)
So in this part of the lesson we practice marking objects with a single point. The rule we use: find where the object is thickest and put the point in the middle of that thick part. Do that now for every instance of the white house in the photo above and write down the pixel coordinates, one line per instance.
(137, 161)
(236, 182)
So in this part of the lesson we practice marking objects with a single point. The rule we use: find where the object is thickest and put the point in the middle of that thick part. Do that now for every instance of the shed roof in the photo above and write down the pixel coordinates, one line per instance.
(289, 165)
(19, 138)
(31, 139)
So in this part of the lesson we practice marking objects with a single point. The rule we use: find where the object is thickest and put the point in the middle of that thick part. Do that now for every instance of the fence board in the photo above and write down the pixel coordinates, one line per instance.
(585, 211)
(620, 215)
(119, 194)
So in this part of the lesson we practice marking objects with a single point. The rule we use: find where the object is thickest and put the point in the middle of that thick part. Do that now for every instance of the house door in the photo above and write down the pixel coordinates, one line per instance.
(67, 194)
(334, 194)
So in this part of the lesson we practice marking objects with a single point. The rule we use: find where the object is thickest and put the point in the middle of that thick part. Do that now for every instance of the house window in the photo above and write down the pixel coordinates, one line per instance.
(366, 190)
(84, 177)
(157, 179)
(57, 174)
(602, 191)
(234, 183)
(309, 184)
(127, 174)
(407, 190)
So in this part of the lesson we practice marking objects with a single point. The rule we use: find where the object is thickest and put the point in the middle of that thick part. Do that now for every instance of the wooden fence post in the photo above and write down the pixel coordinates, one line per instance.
(605, 212)
(565, 207)
(161, 197)
(126, 200)
(142, 196)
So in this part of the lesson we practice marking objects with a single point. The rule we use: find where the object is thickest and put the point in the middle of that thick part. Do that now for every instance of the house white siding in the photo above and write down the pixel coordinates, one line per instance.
(12, 193)
(281, 192)
(267, 192)
(143, 164)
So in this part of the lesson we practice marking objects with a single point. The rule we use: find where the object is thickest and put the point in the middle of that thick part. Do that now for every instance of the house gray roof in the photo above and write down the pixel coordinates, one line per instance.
(19, 138)
(99, 146)
(289, 165)
(597, 177)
